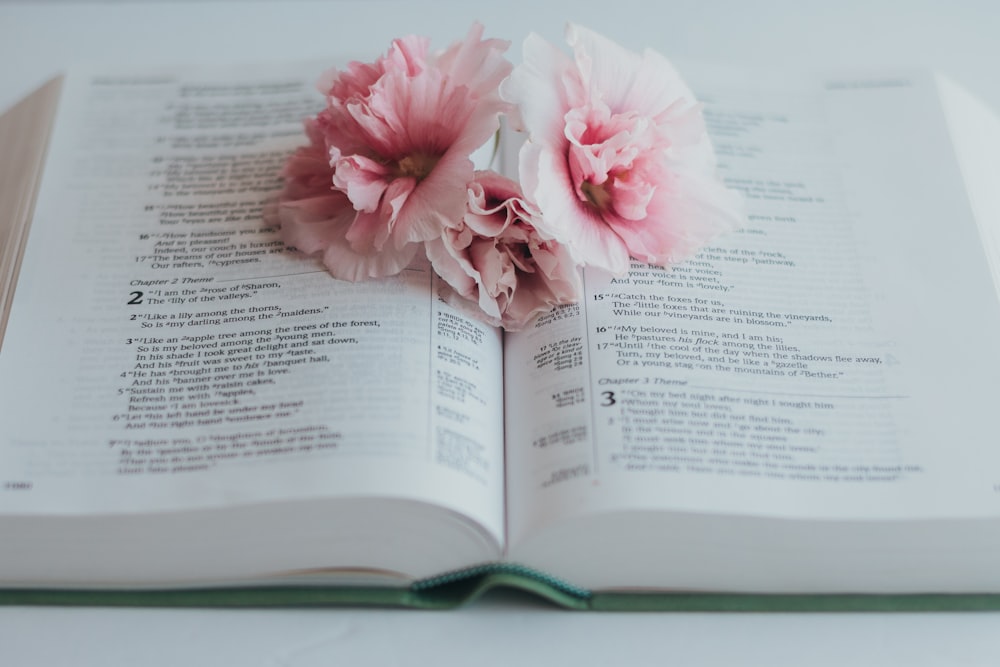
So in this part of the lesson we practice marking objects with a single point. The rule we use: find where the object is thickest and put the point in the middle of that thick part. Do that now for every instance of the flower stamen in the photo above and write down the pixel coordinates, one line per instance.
(596, 195)
(418, 166)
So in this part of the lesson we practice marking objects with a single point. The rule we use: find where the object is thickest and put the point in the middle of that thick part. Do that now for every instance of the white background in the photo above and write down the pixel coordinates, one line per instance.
(38, 40)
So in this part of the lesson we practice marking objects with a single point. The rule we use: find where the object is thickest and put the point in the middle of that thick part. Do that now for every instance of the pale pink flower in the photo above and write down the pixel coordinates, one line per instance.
(617, 157)
(399, 134)
(497, 265)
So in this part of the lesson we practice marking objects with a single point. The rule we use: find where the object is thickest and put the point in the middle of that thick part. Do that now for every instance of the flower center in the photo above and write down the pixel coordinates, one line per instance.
(596, 195)
(417, 166)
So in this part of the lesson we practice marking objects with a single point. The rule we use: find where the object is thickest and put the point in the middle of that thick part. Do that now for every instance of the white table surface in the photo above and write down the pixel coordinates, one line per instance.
(39, 39)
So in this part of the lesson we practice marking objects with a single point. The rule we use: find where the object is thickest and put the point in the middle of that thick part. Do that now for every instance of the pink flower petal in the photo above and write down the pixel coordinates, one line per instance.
(368, 232)
(363, 180)
(407, 54)
(438, 201)
(477, 64)
(509, 274)
(645, 83)
(543, 87)
(568, 219)
(311, 224)
(345, 263)
(631, 197)
(616, 151)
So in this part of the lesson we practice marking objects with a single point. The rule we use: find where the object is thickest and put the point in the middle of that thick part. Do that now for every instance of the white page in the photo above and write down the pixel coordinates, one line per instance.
(166, 353)
(835, 359)
(975, 130)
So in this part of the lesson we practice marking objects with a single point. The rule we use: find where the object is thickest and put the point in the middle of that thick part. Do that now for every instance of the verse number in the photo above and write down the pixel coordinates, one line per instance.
(17, 486)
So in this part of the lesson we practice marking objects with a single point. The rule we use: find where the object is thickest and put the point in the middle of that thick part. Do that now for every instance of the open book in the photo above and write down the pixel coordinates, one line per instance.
(801, 416)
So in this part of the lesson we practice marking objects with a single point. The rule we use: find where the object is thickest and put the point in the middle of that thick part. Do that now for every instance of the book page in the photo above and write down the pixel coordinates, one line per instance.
(166, 352)
(975, 131)
(834, 359)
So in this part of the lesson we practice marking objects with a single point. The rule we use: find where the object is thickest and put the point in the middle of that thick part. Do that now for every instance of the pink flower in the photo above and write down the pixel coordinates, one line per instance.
(314, 217)
(399, 133)
(497, 264)
(617, 157)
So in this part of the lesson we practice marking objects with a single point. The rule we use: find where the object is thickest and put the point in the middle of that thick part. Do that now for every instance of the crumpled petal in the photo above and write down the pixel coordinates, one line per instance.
(496, 266)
